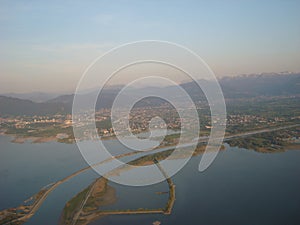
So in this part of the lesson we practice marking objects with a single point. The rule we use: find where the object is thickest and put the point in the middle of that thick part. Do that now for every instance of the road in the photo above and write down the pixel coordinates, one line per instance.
(93, 215)
(39, 201)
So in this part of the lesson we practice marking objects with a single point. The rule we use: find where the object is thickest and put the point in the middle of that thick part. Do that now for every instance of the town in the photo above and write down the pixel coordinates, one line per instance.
(59, 127)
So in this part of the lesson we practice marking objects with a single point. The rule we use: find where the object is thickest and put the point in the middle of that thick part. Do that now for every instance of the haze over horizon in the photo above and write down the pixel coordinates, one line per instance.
(139, 85)
(46, 46)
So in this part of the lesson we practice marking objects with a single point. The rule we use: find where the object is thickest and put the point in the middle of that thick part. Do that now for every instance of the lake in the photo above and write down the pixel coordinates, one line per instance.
(240, 187)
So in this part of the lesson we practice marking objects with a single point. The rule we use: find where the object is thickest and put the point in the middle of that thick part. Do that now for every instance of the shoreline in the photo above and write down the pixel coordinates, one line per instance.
(33, 140)
(139, 161)
(39, 140)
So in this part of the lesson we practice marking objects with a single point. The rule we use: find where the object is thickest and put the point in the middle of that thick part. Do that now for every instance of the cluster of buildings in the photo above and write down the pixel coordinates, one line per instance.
(139, 120)
(237, 119)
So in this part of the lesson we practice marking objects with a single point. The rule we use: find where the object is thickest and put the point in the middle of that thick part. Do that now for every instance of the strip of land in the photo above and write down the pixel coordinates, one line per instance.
(24, 212)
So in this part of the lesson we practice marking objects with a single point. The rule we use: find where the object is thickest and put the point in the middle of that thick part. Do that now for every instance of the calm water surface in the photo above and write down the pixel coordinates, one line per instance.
(240, 187)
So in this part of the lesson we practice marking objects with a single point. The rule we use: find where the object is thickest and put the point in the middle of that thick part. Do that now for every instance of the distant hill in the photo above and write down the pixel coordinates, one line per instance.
(33, 96)
(62, 99)
(15, 106)
(261, 85)
(247, 86)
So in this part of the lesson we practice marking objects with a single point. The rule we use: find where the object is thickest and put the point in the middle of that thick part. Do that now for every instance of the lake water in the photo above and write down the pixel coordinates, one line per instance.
(240, 187)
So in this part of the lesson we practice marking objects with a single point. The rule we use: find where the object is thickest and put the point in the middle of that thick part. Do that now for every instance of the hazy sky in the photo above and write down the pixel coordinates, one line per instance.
(46, 45)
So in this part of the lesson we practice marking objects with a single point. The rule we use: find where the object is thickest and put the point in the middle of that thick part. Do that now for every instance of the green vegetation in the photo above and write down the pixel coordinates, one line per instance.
(104, 124)
(98, 194)
(267, 142)
(95, 200)
(151, 157)
(263, 113)
(243, 114)
(72, 206)
(47, 130)
(268, 108)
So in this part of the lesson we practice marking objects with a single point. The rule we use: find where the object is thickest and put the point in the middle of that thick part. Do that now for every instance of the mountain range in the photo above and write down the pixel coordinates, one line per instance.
(244, 86)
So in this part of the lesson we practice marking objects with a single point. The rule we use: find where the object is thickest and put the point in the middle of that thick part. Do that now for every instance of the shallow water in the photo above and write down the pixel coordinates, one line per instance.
(240, 187)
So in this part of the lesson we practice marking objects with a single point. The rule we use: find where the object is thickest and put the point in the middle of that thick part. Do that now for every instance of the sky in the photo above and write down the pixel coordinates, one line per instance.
(46, 45)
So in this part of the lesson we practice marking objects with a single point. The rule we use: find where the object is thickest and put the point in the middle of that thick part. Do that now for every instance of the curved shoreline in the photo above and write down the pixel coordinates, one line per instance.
(86, 211)
(38, 202)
